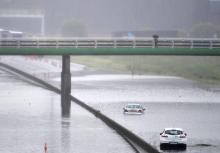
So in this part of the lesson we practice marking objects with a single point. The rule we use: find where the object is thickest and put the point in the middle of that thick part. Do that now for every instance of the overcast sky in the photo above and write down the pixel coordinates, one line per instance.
(107, 16)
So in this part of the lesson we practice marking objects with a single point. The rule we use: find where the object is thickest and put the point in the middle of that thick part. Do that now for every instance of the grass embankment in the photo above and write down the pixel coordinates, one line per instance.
(204, 69)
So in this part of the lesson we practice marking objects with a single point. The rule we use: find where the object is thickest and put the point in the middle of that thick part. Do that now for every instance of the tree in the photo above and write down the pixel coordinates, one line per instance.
(73, 28)
(205, 30)
(182, 33)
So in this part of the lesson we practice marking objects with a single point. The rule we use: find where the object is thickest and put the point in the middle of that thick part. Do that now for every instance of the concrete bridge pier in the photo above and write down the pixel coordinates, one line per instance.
(65, 86)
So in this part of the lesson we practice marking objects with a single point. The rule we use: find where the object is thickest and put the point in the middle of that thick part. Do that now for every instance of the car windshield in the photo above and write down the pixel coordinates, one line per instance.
(133, 106)
(173, 132)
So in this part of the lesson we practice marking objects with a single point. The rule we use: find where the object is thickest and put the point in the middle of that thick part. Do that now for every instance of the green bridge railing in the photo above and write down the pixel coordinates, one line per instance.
(110, 46)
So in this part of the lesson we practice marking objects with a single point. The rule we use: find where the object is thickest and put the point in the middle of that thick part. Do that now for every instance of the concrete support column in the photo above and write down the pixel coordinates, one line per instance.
(65, 86)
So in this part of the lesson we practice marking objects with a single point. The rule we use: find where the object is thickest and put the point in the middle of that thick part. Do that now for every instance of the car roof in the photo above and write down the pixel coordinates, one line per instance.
(133, 104)
(179, 129)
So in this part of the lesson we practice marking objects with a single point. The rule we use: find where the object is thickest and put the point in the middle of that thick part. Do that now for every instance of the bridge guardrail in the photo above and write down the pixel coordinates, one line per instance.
(110, 43)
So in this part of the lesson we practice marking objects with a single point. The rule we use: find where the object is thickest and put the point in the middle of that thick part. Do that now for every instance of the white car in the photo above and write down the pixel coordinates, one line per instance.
(173, 137)
(136, 108)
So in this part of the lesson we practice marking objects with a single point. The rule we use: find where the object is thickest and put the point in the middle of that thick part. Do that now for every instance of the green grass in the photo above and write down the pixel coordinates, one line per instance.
(200, 68)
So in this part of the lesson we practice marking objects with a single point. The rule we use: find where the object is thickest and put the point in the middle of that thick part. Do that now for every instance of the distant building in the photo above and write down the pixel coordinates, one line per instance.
(29, 21)
(4, 33)
(10, 34)
(149, 33)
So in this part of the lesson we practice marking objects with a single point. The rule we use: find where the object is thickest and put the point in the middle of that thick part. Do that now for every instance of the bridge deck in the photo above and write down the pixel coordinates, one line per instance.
(109, 46)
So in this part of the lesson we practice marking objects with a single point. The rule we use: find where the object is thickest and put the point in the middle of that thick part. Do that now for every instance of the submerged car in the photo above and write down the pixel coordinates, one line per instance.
(173, 137)
(136, 108)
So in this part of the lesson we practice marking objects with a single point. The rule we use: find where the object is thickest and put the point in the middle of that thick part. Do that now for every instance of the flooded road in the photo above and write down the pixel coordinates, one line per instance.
(30, 116)
(200, 121)
(169, 102)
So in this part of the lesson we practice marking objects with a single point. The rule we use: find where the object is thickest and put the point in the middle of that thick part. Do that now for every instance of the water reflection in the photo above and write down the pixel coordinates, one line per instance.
(65, 134)
(31, 116)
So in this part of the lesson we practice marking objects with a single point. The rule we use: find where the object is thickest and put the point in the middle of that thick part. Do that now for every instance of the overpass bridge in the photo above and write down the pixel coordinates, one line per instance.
(110, 46)
(104, 46)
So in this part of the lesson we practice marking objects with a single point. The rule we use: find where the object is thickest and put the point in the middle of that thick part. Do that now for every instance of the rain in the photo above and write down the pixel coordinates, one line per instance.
(180, 92)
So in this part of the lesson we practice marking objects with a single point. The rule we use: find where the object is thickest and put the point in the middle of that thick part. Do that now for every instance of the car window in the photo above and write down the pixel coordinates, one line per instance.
(173, 132)
(134, 106)
(138, 106)
(129, 106)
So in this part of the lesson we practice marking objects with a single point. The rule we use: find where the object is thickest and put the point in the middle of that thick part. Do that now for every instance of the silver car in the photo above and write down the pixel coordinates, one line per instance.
(136, 108)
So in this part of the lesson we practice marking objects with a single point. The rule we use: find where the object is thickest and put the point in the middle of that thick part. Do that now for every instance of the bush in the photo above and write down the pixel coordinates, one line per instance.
(205, 30)
(73, 28)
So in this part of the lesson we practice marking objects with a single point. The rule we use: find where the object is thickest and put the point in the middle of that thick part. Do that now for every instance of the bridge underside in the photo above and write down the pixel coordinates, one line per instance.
(109, 51)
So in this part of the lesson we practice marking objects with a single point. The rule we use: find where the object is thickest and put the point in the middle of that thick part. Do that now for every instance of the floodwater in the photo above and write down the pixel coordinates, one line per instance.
(30, 116)
(138, 88)
(201, 122)
(169, 102)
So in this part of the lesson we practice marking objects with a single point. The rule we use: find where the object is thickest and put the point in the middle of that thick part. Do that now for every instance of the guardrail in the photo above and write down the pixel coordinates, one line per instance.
(109, 43)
